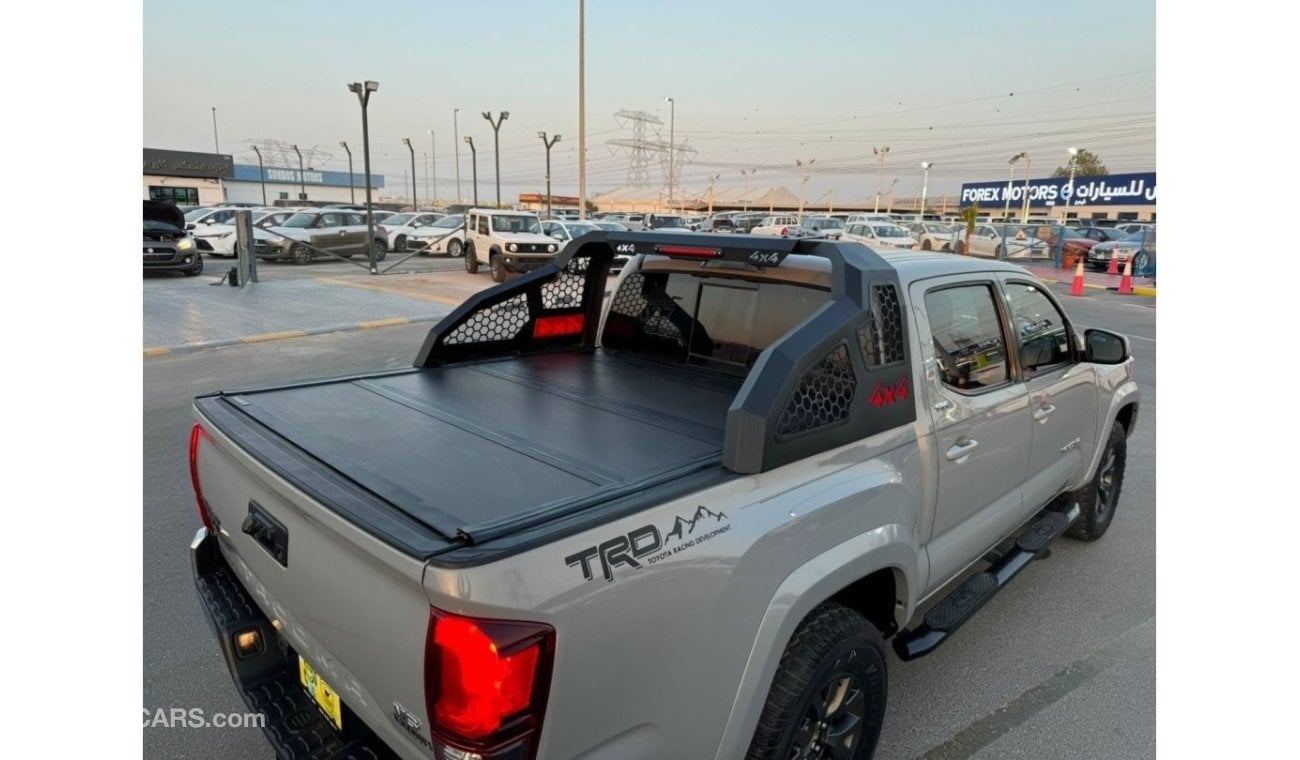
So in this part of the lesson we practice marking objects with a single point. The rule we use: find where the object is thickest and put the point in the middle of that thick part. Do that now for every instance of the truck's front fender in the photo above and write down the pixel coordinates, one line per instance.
(889, 547)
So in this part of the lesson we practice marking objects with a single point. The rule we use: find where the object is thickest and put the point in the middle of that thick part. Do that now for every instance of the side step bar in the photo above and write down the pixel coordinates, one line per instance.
(947, 616)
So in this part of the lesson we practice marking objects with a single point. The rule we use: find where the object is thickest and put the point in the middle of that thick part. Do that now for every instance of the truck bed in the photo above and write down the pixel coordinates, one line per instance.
(477, 451)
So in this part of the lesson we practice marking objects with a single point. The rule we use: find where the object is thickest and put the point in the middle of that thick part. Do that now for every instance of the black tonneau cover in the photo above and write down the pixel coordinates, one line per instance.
(474, 451)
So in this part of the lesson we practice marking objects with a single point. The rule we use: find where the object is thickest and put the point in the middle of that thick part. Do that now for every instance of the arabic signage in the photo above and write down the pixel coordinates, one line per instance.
(249, 173)
(178, 163)
(1109, 190)
(560, 200)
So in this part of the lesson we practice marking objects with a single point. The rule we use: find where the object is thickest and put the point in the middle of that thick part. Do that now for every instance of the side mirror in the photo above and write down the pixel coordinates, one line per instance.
(1105, 347)
(189, 226)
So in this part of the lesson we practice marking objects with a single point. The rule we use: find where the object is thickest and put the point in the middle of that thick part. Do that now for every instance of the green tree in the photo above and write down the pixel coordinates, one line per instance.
(1086, 164)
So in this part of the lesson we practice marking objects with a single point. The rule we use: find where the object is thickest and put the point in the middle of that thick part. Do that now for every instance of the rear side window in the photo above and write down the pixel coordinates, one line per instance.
(713, 322)
(968, 341)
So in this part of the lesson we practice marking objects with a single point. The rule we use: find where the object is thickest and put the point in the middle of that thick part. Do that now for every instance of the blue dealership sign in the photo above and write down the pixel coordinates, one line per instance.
(249, 173)
(1109, 190)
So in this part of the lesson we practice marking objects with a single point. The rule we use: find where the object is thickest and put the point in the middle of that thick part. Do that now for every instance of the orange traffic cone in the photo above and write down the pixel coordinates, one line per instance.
(1076, 289)
(1113, 266)
(1126, 282)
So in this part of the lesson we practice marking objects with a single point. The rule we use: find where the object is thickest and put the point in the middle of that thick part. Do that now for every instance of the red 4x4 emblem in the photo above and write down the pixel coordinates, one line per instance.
(884, 395)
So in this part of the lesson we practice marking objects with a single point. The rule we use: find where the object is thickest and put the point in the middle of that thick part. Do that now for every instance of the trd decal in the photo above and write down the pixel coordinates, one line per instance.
(646, 544)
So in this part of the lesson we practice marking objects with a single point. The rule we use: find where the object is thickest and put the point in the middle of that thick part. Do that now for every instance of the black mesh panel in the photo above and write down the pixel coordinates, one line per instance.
(881, 336)
(501, 322)
(823, 397)
(565, 291)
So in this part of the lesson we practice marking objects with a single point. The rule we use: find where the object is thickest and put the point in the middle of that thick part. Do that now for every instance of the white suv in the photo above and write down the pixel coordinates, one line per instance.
(507, 241)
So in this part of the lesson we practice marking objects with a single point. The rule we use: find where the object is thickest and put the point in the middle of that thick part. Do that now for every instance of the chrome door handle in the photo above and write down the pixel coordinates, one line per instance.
(942, 404)
(1043, 412)
(961, 450)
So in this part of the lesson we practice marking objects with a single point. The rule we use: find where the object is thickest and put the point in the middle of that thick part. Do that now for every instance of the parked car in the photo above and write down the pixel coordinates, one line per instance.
(1129, 228)
(507, 241)
(719, 224)
(609, 226)
(782, 225)
(1073, 243)
(1139, 246)
(1003, 242)
(824, 226)
(207, 216)
(686, 521)
(397, 228)
(666, 223)
(447, 235)
(1101, 234)
(747, 221)
(870, 218)
(309, 234)
(879, 235)
(168, 247)
(566, 231)
(933, 236)
(219, 239)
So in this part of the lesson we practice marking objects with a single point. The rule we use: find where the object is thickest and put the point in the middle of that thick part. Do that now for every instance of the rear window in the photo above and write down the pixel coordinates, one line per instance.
(717, 323)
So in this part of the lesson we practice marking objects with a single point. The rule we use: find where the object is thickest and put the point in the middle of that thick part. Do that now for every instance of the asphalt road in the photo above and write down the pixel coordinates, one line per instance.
(1061, 664)
(215, 266)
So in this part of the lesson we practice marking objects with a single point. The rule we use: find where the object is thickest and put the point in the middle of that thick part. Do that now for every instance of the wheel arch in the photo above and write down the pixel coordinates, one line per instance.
(859, 573)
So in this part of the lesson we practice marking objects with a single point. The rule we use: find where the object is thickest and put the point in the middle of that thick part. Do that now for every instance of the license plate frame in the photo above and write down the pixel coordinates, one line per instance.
(326, 698)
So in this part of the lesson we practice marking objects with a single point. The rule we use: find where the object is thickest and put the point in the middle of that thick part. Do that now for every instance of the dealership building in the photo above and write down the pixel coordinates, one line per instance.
(197, 179)
(1121, 197)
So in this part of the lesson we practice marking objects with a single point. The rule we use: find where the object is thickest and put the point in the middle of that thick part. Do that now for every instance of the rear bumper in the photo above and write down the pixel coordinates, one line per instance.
(268, 680)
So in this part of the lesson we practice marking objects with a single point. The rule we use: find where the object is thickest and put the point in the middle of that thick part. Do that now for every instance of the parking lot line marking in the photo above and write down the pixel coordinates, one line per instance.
(1013, 714)
(160, 351)
(393, 291)
(273, 336)
(384, 323)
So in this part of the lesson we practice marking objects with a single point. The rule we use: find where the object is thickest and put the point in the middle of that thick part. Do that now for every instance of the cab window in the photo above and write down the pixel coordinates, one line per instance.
(969, 344)
(1040, 328)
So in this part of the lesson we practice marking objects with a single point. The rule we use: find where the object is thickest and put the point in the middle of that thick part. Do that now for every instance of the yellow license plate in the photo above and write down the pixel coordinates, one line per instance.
(323, 693)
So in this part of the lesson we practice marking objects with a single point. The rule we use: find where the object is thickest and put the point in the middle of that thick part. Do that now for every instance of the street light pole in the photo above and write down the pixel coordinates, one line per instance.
(474, 163)
(455, 141)
(215, 142)
(880, 172)
(1006, 212)
(415, 203)
(261, 173)
(803, 181)
(672, 148)
(433, 163)
(582, 109)
(925, 185)
(363, 96)
(548, 144)
(1029, 165)
(747, 173)
(712, 179)
(1069, 201)
(302, 176)
(496, 142)
(889, 208)
(352, 184)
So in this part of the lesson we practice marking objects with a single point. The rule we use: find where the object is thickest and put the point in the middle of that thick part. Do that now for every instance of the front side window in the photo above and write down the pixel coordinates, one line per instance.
(299, 220)
(968, 340)
(1040, 328)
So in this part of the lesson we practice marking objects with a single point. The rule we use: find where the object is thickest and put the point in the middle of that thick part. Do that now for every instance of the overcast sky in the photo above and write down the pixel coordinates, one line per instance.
(756, 85)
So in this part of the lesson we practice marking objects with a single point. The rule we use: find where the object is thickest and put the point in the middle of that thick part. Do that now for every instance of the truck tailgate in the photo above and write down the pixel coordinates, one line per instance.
(350, 606)
(466, 450)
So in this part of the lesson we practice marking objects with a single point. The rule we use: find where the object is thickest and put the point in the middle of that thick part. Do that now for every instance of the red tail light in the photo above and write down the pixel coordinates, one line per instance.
(554, 327)
(197, 434)
(785, 232)
(690, 251)
(486, 682)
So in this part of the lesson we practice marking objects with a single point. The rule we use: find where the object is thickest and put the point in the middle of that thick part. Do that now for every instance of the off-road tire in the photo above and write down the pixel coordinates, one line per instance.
(471, 259)
(1098, 499)
(832, 644)
(498, 265)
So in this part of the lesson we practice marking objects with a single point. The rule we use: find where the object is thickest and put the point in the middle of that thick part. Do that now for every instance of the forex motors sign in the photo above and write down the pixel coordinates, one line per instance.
(1109, 190)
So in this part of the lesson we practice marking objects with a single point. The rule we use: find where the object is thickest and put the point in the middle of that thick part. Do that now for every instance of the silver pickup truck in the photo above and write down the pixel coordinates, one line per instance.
(677, 520)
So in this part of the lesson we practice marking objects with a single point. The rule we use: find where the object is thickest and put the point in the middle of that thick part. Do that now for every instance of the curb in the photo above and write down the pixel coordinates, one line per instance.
(284, 335)
(1138, 290)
